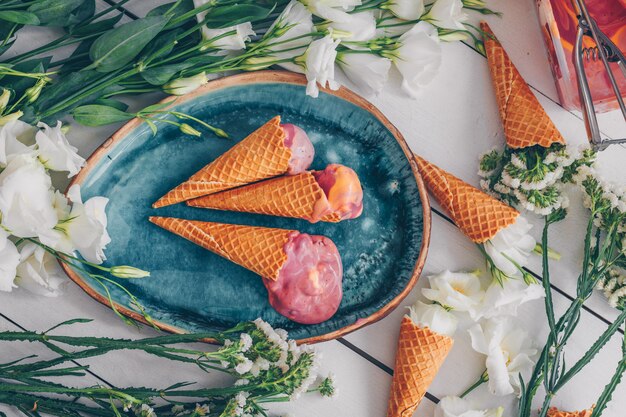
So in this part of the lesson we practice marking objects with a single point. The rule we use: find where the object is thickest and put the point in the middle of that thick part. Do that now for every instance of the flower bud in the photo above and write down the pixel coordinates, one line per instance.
(182, 86)
(32, 94)
(4, 99)
(448, 35)
(125, 271)
(10, 117)
(474, 4)
(188, 130)
(258, 63)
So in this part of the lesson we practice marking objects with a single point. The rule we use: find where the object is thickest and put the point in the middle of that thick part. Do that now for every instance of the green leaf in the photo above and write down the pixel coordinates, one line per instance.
(112, 103)
(161, 75)
(233, 15)
(155, 107)
(165, 41)
(118, 47)
(152, 126)
(99, 115)
(67, 323)
(54, 12)
(82, 13)
(19, 16)
(99, 26)
(181, 9)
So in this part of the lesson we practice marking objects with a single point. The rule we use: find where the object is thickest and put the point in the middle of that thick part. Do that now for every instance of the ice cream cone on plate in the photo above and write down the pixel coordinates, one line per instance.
(303, 196)
(555, 412)
(259, 249)
(477, 214)
(525, 122)
(271, 150)
(423, 345)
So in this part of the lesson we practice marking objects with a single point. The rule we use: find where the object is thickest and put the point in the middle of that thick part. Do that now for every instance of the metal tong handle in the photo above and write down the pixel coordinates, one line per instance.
(607, 52)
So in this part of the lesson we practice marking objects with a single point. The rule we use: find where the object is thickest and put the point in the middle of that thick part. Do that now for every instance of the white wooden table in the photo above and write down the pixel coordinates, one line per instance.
(455, 120)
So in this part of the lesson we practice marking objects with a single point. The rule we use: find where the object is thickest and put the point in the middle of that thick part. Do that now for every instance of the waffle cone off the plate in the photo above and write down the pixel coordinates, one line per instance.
(525, 122)
(259, 249)
(477, 214)
(421, 352)
(289, 196)
(259, 156)
(555, 412)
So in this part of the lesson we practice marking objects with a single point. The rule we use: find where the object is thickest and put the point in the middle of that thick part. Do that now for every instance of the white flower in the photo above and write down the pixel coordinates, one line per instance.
(459, 407)
(405, 9)
(433, 316)
(145, 411)
(333, 10)
(511, 245)
(447, 14)
(181, 86)
(39, 272)
(25, 197)
(418, 57)
(509, 353)
(294, 22)
(357, 27)
(81, 227)
(16, 137)
(368, 72)
(456, 290)
(504, 299)
(55, 152)
(233, 42)
(319, 65)
(9, 259)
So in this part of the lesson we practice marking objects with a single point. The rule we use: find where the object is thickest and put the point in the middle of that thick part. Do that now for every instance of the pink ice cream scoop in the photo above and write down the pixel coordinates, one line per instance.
(308, 289)
(302, 151)
(343, 192)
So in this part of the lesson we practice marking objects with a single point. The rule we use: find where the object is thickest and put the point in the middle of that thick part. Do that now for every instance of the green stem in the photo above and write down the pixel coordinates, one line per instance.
(546, 278)
(484, 377)
(609, 389)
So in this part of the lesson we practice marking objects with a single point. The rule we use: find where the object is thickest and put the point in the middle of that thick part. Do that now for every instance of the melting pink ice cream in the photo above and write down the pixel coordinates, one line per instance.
(302, 151)
(308, 289)
(343, 192)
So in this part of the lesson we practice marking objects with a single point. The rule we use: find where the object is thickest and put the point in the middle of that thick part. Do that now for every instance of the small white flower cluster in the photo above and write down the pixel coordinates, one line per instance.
(508, 348)
(532, 178)
(614, 287)
(144, 411)
(363, 43)
(30, 208)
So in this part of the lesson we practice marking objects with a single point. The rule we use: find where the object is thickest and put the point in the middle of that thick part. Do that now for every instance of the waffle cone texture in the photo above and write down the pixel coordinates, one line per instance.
(525, 122)
(555, 412)
(293, 196)
(259, 249)
(421, 352)
(261, 155)
(477, 214)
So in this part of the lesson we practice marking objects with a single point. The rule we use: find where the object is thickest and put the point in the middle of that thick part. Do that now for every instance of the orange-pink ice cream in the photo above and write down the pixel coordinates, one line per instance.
(302, 151)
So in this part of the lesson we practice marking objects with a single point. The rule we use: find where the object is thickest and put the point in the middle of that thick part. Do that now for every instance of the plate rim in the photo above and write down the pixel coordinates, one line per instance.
(269, 77)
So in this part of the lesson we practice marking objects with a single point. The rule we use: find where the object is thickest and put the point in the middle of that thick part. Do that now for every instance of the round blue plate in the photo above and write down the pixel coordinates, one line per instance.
(194, 290)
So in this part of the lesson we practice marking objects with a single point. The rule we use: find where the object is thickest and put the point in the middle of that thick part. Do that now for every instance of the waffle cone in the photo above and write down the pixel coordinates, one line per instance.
(290, 196)
(477, 214)
(259, 156)
(259, 249)
(555, 412)
(421, 352)
(525, 122)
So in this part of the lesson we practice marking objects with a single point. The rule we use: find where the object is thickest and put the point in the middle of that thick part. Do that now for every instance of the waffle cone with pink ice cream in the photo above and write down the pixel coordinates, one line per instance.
(555, 412)
(302, 273)
(271, 150)
(330, 195)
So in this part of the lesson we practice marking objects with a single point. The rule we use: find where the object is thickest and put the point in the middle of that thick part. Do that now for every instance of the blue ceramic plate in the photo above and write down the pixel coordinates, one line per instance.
(193, 290)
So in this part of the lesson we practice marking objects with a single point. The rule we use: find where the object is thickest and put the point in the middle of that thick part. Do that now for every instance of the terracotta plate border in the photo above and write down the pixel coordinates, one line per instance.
(264, 77)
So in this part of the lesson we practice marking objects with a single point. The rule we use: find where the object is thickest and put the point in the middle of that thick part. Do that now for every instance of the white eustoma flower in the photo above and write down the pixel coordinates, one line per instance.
(82, 227)
(292, 26)
(510, 246)
(318, 63)
(418, 57)
(358, 27)
(25, 197)
(233, 42)
(9, 259)
(456, 290)
(55, 152)
(39, 272)
(433, 316)
(181, 86)
(405, 9)
(16, 137)
(459, 407)
(447, 14)
(368, 72)
(509, 353)
(333, 10)
(504, 299)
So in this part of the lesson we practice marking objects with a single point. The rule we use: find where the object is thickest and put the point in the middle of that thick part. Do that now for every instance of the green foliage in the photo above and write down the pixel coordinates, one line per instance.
(100, 115)
(55, 12)
(19, 16)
